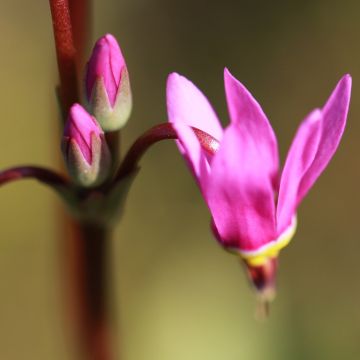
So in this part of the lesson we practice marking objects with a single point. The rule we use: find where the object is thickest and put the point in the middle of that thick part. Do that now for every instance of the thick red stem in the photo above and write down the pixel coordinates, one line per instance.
(65, 53)
(87, 276)
(81, 15)
(85, 246)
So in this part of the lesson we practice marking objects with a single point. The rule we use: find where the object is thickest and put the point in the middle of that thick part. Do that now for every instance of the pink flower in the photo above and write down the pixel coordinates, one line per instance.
(107, 84)
(253, 207)
(84, 148)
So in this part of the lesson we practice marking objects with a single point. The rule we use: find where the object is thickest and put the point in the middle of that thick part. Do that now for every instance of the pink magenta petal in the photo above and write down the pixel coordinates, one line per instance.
(300, 157)
(193, 154)
(245, 111)
(239, 191)
(188, 105)
(334, 119)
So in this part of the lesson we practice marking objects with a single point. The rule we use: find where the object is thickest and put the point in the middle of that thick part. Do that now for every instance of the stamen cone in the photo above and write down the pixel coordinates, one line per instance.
(263, 279)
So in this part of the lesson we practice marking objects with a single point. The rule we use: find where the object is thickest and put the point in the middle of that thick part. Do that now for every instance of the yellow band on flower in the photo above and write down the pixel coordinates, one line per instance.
(270, 250)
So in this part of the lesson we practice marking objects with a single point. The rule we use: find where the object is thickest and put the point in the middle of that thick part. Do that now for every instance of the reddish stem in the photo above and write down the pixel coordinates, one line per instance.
(65, 52)
(157, 133)
(86, 244)
(81, 15)
(43, 175)
(87, 276)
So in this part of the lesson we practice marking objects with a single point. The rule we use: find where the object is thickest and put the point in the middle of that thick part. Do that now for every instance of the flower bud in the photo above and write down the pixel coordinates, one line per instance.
(84, 147)
(107, 85)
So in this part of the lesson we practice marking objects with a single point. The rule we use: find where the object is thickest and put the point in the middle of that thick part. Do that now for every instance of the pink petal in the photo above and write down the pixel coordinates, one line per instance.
(334, 120)
(193, 154)
(188, 105)
(239, 191)
(245, 111)
(300, 157)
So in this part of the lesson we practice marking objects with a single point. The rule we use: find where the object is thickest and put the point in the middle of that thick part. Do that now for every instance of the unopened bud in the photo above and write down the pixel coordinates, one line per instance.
(107, 85)
(84, 147)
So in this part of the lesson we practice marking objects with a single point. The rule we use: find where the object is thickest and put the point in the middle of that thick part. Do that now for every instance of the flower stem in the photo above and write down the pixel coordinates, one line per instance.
(86, 244)
(87, 281)
(65, 53)
(46, 176)
(81, 15)
(157, 133)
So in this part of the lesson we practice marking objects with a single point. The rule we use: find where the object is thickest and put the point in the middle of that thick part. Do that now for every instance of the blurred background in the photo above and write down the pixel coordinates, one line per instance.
(178, 295)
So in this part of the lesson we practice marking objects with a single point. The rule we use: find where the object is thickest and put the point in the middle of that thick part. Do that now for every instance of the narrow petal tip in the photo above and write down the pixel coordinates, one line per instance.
(172, 81)
(347, 77)
(340, 96)
(233, 87)
(227, 72)
(344, 84)
(173, 76)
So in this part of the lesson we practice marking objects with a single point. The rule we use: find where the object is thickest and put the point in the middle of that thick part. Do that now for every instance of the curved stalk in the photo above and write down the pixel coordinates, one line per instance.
(157, 133)
(45, 176)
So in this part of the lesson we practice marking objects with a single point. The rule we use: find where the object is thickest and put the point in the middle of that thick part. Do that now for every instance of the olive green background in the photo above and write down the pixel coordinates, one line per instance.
(178, 294)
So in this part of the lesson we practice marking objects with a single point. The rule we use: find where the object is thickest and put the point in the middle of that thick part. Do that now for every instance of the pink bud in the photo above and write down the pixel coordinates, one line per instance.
(79, 128)
(107, 85)
(106, 62)
(84, 147)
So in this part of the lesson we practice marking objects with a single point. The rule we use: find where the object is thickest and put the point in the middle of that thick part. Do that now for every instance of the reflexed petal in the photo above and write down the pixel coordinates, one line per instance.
(239, 191)
(193, 154)
(300, 157)
(188, 105)
(245, 111)
(334, 119)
